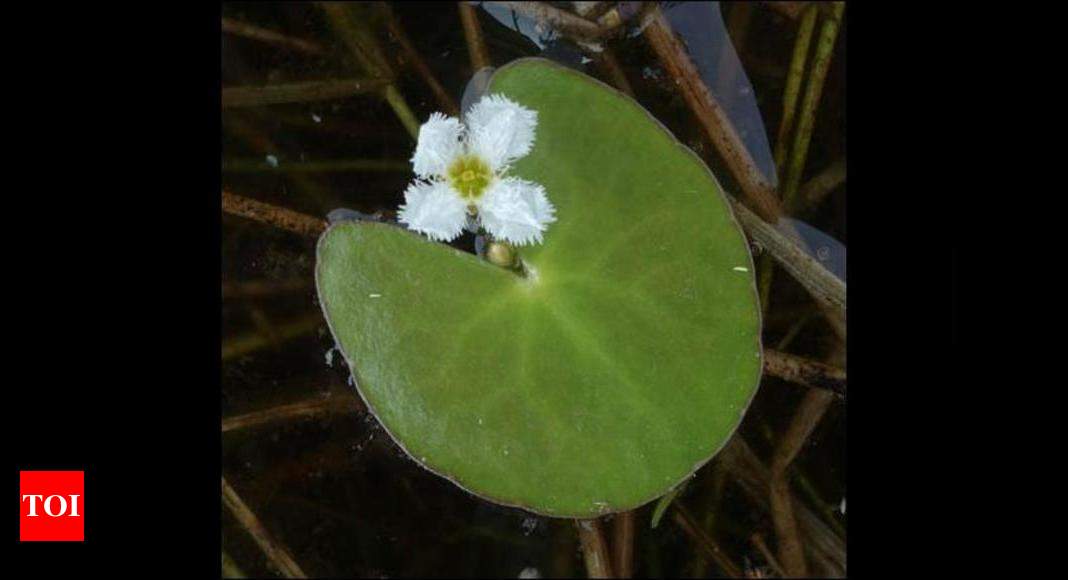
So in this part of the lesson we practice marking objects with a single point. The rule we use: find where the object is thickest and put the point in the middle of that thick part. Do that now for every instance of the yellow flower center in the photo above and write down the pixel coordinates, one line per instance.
(469, 175)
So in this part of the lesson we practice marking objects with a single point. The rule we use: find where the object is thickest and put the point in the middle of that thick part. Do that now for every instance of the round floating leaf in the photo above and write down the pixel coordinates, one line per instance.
(620, 365)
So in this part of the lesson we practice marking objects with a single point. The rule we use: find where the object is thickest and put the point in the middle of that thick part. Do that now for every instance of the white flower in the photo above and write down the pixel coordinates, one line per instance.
(461, 172)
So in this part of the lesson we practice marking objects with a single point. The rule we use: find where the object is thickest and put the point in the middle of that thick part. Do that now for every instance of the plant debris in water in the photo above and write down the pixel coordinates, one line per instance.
(345, 502)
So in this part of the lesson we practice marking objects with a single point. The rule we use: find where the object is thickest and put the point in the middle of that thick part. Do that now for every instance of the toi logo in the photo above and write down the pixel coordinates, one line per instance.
(52, 504)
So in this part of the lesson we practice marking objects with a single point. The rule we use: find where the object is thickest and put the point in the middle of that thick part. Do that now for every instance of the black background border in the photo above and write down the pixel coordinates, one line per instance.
(114, 303)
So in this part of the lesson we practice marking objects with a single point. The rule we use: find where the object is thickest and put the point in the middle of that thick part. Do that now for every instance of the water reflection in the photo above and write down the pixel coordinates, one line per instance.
(551, 43)
(828, 251)
(701, 28)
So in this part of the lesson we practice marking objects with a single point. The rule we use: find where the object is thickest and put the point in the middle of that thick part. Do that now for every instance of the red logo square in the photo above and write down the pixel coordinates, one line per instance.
(52, 506)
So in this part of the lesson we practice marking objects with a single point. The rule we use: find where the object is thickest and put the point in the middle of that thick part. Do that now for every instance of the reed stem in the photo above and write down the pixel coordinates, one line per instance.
(238, 28)
(813, 90)
(804, 371)
(549, 17)
(682, 517)
(594, 548)
(623, 544)
(826, 288)
(301, 92)
(254, 341)
(476, 44)
(816, 189)
(276, 553)
(311, 407)
(711, 115)
(273, 215)
(793, 83)
(445, 101)
(753, 476)
(357, 36)
(789, 110)
(230, 569)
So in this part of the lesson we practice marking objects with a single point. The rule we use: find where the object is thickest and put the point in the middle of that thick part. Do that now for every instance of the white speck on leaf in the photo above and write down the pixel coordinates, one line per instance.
(741, 269)
(374, 295)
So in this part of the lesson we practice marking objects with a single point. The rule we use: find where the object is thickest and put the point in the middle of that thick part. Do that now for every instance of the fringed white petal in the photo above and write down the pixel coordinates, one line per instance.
(516, 211)
(434, 209)
(439, 143)
(500, 130)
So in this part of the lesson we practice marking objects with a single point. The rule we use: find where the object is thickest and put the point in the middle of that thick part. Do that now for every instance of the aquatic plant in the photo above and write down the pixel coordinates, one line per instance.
(325, 114)
(609, 372)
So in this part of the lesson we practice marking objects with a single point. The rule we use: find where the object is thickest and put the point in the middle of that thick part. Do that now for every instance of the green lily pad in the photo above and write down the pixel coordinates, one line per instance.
(625, 360)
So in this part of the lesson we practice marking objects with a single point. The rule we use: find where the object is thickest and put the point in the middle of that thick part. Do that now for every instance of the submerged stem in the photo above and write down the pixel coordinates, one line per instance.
(276, 553)
(594, 548)
(793, 84)
(708, 545)
(789, 110)
(711, 115)
(623, 544)
(299, 92)
(476, 43)
(273, 215)
(820, 65)
(393, 24)
(355, 33)
(238, 28)
(826, 288)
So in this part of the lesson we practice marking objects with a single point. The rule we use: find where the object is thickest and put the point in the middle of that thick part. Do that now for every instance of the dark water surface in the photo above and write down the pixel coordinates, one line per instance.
(332, 487)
